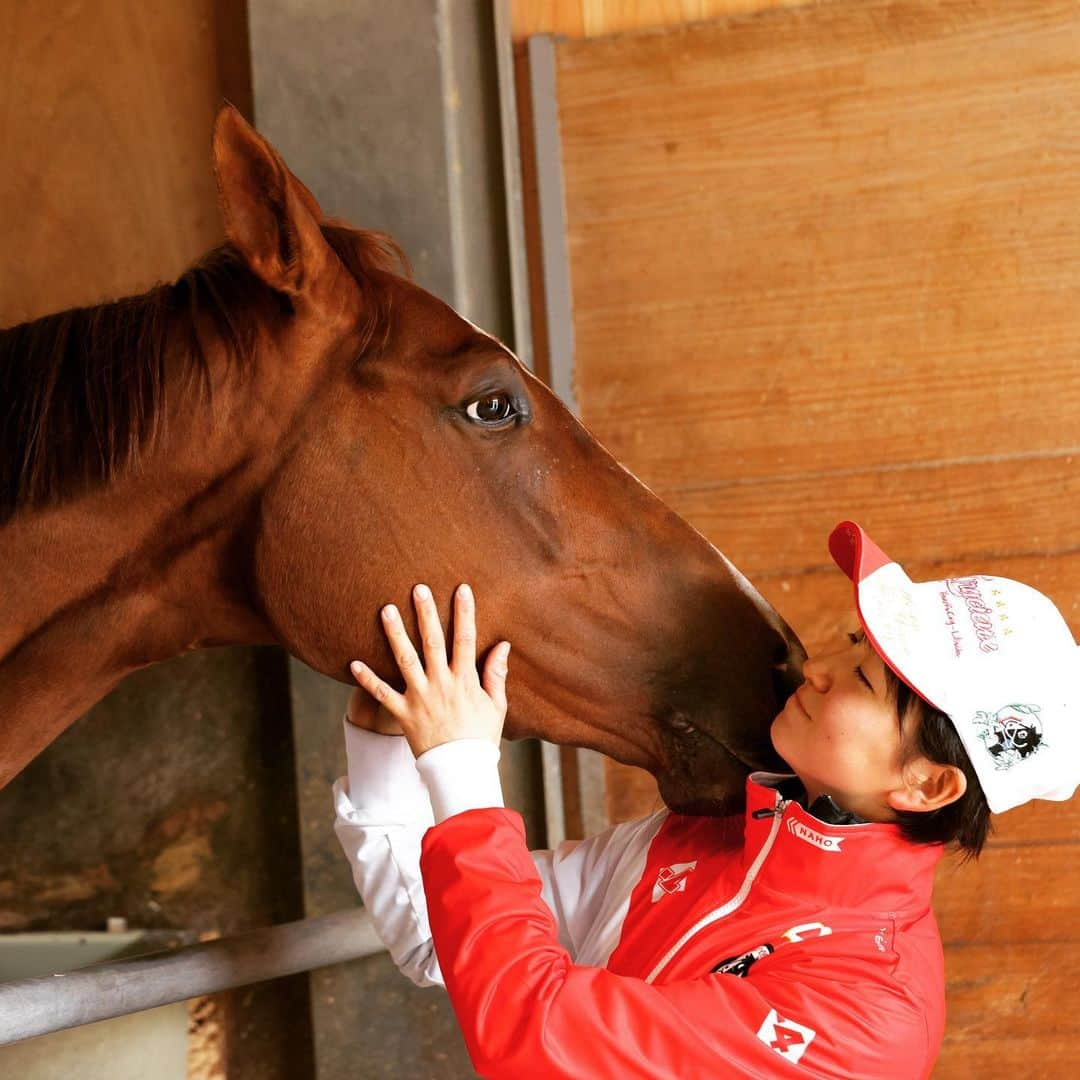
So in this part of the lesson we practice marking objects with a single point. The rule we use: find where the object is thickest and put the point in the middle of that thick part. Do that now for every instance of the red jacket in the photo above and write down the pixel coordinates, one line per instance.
(790, 948)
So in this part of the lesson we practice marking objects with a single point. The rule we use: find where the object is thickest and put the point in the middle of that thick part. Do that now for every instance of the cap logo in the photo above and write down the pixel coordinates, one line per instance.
(979, 610)
(1011, 734)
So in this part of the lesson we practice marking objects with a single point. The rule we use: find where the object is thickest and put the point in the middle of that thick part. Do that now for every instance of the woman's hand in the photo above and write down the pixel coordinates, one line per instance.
(365, 712)
(444, 699)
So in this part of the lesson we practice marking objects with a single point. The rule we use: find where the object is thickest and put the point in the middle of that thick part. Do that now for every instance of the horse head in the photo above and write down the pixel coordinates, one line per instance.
(294, 433)
(415, 446)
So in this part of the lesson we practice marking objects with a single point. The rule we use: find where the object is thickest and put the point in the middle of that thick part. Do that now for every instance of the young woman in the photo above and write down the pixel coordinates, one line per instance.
(797, 942)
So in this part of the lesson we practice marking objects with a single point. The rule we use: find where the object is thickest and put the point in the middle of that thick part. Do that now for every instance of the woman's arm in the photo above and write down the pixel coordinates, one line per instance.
(381, 812)
(382, 809)
(453, 725)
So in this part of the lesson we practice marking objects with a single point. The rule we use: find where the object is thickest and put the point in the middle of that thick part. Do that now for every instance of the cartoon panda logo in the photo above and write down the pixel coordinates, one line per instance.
(741, 965)
(1011, 734)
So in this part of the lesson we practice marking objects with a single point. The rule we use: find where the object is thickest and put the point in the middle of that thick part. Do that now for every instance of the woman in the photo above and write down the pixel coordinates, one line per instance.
(799, 941)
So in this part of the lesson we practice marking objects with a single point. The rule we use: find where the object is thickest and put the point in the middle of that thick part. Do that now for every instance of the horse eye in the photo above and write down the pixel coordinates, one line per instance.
(491, 409)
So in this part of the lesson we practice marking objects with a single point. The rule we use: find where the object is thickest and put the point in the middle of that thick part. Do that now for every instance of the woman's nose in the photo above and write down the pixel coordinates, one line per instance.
(816, 673)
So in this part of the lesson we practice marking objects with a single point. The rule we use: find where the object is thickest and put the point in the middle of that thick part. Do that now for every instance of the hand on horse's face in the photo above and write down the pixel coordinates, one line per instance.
(443, 700)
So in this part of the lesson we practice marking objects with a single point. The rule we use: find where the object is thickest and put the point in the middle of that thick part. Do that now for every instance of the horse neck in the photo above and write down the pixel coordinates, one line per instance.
(100, 586)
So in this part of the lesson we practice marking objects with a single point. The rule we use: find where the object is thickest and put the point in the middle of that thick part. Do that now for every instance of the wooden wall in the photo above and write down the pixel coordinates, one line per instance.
(106, 117)
(172, 802)
(597, 18)
(824, 263)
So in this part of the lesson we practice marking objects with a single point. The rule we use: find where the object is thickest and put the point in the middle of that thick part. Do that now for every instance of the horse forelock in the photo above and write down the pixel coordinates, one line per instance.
(83, 391)
(373, 259)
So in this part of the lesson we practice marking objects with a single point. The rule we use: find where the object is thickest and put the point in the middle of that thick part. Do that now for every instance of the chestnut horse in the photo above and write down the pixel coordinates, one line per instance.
(292, 434)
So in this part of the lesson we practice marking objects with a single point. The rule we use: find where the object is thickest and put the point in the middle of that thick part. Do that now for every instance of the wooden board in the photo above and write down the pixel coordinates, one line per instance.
(823, 265)
(922, 514)
(1008, 1012)
(107, 185)
(815, 261)
(594, 18)
(1018, 894)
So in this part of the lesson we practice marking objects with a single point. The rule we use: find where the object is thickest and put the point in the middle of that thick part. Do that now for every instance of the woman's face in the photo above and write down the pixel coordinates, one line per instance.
(840, 732)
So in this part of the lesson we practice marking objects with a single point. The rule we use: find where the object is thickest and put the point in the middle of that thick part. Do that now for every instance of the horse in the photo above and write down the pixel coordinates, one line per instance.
(293, 433)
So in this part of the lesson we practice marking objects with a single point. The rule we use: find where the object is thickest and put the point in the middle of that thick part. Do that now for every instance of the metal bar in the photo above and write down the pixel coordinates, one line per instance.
(554, 805)
(30, 1007)
(551, 197)
(512, 179)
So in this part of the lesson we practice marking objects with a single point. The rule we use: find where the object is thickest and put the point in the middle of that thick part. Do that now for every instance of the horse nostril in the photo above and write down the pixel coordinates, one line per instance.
(677, 722)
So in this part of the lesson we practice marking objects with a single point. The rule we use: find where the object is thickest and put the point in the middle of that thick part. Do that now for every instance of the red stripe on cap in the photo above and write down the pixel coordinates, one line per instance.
(858, 556)
(854, 552)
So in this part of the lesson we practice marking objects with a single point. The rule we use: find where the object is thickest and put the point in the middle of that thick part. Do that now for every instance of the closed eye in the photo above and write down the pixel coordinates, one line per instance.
(857, 639)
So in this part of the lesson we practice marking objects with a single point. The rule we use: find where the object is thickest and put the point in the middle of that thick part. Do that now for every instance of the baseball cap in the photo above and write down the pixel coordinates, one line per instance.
(993, 654)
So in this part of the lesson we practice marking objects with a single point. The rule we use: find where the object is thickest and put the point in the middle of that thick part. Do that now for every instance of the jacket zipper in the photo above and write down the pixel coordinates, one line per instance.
(736, 901)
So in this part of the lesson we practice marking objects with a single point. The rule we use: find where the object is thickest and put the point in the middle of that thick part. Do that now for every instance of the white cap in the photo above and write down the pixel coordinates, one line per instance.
(994, 654)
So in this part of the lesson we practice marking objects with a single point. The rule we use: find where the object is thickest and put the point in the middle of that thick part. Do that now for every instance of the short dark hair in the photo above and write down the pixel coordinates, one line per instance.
(964, 823)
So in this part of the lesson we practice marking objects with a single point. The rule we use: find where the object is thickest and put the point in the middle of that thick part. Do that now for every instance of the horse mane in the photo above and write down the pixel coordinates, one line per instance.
(83, 391)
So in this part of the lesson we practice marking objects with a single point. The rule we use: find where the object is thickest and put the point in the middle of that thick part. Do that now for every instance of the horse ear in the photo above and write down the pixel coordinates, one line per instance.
(269, 215)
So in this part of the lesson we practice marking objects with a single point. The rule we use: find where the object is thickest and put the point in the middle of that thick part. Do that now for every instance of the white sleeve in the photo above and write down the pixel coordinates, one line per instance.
(587, 884)
(382, 811)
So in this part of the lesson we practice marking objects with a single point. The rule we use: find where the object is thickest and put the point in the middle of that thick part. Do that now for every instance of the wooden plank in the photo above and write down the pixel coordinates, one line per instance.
(529, 17)
(1010, 991)
(1038, 1056)
(1006, 1011)
(784, 226)
(107, 185)
(594, 18)
(972, 514)
(1038, 822)
(1010, 896)
(818, 604)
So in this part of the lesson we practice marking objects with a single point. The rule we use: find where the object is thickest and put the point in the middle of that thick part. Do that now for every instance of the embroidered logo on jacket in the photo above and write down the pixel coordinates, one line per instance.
(740, 965)
(787, 1038)
(804, 832)
(672, 879)
(805, 931)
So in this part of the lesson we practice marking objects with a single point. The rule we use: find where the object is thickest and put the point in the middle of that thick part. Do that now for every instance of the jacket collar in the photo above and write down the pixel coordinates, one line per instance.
(865, 865)
(824, 807)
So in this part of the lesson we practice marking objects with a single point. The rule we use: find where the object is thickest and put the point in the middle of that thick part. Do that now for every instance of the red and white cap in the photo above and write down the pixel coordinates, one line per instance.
(994, 654)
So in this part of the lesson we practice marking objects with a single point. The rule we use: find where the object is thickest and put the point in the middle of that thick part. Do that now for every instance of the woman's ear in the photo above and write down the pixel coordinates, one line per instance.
(928, 785)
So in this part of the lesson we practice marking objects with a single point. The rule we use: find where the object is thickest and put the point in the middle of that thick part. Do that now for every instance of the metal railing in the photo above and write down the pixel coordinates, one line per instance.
(30, 1007)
